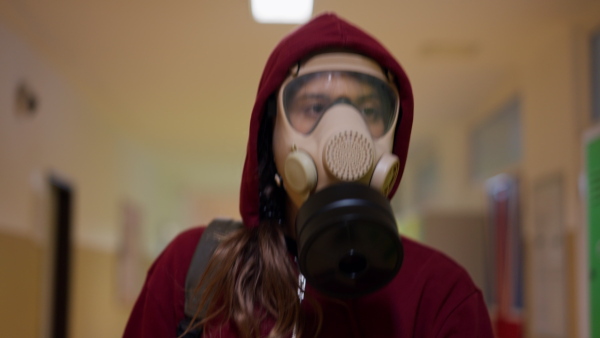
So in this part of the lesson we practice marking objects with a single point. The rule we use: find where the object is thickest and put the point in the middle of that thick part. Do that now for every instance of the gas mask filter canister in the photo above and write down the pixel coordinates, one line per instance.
(333, 141)
(348, 242)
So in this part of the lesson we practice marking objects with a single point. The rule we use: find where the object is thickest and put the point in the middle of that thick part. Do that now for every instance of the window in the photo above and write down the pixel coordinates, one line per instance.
(496, 142)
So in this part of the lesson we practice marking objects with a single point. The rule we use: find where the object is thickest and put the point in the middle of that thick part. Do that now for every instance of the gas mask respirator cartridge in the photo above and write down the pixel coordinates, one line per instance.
(333, 148)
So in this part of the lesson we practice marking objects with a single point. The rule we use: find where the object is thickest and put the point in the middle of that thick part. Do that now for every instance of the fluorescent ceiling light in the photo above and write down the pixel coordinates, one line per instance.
(281, 11)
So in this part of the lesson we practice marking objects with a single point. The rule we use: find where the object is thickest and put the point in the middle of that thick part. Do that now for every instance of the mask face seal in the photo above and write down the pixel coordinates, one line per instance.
(332, 144)
(336, 118)
(348, 242)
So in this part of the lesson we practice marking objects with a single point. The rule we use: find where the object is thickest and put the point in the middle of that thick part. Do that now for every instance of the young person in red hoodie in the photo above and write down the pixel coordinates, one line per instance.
(328, 140)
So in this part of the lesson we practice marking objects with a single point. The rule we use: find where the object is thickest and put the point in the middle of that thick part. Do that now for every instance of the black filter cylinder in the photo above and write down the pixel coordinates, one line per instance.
(348, 242)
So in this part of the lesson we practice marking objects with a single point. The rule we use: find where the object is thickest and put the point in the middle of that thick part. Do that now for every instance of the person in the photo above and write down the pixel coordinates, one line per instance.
(329, 136)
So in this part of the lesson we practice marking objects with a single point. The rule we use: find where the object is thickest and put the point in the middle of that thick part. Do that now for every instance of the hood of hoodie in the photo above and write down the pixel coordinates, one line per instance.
(326, 31)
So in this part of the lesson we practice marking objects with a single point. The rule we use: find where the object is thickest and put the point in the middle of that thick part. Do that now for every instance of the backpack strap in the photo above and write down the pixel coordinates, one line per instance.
(207, 244)
(205, 248)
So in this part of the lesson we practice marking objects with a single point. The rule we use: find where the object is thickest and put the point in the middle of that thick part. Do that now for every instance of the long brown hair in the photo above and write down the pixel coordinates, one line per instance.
(251, 276)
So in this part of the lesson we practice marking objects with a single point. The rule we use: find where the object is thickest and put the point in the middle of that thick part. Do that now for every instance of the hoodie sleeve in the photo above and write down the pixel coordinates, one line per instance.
(159, 307)
(469, 319)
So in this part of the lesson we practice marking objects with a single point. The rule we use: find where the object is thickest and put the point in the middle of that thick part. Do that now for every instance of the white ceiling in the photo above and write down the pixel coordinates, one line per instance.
(183, 74)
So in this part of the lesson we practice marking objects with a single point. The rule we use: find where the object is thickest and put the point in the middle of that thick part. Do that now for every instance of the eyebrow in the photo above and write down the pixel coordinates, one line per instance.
(367, 97)
(305, 96)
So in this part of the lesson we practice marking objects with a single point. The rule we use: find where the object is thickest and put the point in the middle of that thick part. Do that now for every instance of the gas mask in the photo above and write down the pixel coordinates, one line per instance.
(332, 144)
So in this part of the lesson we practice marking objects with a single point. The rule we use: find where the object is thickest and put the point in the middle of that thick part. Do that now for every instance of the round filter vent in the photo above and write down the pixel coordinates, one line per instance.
(349, 155)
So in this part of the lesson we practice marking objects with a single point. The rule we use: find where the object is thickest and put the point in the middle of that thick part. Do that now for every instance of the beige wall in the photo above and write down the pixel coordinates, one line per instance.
(97, 311)
(20, 287)
(552, 82)
(94, 308)
(552, 142)
(106, 168)
(68, 137)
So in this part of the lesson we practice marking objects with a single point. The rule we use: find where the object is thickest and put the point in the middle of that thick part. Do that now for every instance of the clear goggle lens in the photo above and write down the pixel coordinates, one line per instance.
(307, 97)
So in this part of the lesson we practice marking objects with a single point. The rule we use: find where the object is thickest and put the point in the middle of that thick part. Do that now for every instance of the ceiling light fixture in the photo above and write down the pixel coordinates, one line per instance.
(281, 11)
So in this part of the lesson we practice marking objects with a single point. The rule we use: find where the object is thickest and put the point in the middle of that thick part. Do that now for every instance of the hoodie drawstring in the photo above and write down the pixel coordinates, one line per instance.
(301, 287)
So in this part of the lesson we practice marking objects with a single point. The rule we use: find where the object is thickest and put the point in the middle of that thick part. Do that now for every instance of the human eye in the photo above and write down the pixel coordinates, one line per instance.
(311, 106)
(306, 112)
(314, 108)
(371, 111)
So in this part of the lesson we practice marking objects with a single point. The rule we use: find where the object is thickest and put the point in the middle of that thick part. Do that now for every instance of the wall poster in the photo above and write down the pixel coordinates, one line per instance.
(129, 261)
(506, 252)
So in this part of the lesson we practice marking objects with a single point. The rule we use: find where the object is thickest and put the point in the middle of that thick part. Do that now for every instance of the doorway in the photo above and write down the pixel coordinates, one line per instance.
(61, 224)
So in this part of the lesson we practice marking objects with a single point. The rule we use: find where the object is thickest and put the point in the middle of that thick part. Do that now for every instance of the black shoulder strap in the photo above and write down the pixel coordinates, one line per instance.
(204, 250)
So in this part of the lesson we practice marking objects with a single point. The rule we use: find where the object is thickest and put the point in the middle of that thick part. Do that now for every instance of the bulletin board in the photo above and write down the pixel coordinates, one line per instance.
(592, 169)
(549, 318)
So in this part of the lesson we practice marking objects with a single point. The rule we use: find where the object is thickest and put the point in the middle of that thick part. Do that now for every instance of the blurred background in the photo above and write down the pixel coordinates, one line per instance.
(123, 123)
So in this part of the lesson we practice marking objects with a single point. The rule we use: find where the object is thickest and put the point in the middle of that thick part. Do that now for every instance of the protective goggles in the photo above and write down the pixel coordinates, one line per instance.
(307, 97)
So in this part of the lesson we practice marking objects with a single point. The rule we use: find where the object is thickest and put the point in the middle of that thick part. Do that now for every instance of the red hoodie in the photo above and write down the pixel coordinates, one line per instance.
(431, 296)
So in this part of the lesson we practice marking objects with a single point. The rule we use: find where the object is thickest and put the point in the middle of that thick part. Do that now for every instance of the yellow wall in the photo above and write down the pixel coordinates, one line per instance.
(20, 287)
(63, 138)
(106, 168)
(68, 137)
(552, 82)
(95, 310)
